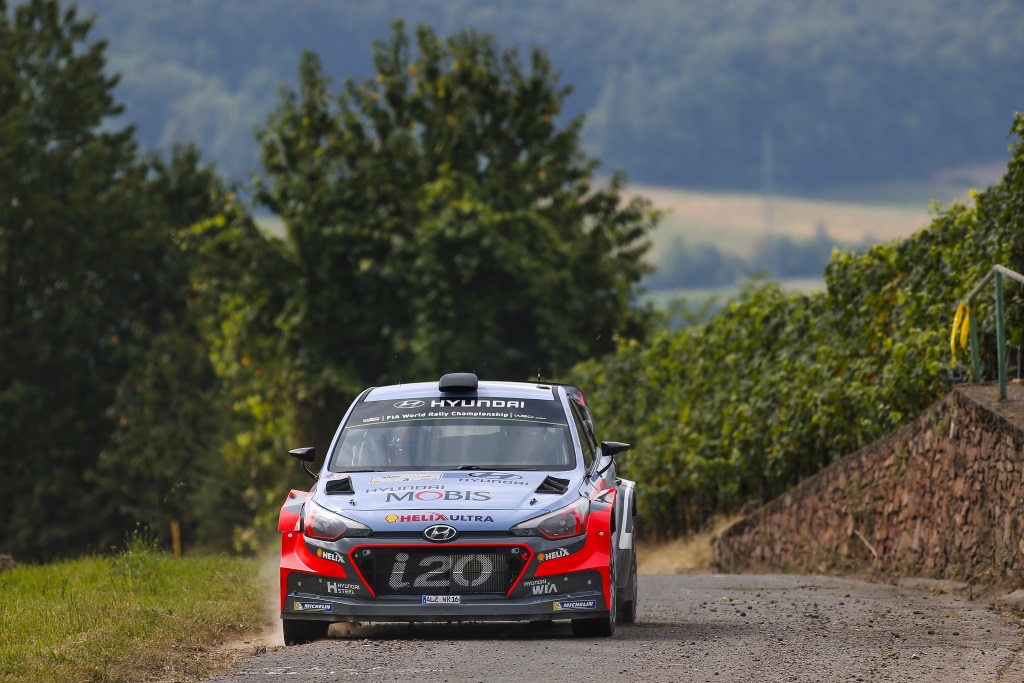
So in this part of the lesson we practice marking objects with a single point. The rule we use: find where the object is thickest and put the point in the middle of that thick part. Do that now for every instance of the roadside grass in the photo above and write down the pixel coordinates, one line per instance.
(141, 615)
(688, 555)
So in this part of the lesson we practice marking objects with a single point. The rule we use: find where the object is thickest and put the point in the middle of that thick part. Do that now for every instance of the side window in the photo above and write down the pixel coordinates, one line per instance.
(585, 437)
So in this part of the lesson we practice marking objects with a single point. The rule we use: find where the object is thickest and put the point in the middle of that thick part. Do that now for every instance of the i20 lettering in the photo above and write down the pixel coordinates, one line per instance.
(442, 571)
(433, 495)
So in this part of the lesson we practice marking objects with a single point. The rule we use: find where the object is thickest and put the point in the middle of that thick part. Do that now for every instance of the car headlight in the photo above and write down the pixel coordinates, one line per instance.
(321, 523)
(562, 523)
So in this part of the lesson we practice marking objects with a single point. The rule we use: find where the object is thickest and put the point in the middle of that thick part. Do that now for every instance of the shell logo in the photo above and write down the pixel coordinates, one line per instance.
(391, 519)
(319, 552)
(540, 557)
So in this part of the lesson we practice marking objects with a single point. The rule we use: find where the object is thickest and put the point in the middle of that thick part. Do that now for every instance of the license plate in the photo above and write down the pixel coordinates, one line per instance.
(441, 599)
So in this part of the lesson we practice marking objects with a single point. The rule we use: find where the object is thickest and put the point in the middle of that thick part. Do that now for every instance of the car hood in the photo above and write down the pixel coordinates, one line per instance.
(479, 499)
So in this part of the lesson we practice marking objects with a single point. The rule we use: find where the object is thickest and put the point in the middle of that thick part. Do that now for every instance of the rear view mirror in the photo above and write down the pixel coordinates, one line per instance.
(305, 454)
(612, 448)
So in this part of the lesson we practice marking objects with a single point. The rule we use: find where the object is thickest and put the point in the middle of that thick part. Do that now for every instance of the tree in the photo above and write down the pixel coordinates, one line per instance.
(92, 297)
(441, 219)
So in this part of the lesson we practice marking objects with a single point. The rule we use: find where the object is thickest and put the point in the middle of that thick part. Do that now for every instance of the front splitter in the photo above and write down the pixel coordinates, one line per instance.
(581, 605)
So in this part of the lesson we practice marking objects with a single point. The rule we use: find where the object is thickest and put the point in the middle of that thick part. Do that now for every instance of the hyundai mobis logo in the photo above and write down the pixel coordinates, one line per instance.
(440, 533)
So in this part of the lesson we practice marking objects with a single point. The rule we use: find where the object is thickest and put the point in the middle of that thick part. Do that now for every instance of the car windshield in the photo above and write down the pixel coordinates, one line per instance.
(445, 434)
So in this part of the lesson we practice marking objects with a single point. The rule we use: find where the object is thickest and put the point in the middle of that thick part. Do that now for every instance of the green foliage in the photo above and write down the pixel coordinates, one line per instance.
(245, 297)
(437, 218)
(105, 387)
(64, 307)
(776, 386)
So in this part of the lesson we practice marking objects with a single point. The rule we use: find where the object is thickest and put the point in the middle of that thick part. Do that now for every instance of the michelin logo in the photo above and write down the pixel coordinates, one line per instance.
(312, 606)
(562, 605)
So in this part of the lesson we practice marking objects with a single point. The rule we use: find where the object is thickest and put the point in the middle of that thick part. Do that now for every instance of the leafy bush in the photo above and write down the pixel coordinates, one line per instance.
(777, 386)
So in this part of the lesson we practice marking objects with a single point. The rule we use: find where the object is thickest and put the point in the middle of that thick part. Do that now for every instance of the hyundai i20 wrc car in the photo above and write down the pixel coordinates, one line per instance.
(461, 500)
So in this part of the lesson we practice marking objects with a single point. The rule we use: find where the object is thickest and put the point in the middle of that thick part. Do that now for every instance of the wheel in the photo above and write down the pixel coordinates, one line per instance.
(302, 631)
(601, 627)
(627, 610)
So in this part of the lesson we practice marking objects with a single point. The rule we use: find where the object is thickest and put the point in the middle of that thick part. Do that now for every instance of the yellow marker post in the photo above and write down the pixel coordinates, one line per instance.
(176, 537)
(960, 310)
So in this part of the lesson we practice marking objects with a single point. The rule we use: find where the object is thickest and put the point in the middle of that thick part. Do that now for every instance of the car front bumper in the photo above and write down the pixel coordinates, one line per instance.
(332, 581)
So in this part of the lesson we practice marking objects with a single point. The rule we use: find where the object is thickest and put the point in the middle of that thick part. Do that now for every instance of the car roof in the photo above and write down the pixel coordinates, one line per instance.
(485, 389)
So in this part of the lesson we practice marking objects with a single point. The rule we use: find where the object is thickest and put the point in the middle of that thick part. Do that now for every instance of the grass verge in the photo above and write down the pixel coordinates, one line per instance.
(140, 615)
(688, 555)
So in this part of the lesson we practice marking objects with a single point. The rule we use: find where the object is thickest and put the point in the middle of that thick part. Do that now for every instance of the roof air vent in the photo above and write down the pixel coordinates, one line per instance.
(458, 381)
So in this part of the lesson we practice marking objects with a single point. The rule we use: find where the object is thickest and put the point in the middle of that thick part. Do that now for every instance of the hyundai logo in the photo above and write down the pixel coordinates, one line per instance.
(409, 403)
(440, 533)
(495, 475)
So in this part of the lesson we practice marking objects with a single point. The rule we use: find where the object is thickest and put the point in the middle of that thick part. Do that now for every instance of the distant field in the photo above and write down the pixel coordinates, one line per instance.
(697, 296)
(733, 222)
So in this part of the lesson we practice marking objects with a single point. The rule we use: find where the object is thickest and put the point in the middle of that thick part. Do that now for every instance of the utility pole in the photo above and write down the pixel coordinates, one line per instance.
(767, 173)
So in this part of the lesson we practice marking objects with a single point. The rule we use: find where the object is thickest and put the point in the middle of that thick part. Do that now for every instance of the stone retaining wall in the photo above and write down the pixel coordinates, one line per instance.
(942, 497)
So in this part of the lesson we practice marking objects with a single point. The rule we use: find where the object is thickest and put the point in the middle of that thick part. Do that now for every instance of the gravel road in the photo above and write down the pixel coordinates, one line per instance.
(692, 628)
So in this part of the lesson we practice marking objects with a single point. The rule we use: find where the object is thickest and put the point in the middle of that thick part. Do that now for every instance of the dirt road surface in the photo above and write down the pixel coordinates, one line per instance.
(702, 627)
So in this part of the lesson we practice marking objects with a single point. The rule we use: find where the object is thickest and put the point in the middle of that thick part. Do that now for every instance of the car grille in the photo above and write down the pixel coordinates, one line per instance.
(436, 570)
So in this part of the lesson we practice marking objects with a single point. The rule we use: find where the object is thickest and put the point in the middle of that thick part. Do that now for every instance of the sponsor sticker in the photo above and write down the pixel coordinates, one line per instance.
(420, 517)
(409, 403)
(442, 599)
(299, 606)
(330, 555)
(495, 475)
(544, 588)
(407, 476)
(490, 478)
(552, 555)
(563, 605)
(437, 517)
(433, 495)
(341, 588)
(476, 403)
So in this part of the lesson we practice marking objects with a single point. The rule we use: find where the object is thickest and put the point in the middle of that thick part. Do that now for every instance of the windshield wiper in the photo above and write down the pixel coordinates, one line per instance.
(492, 468)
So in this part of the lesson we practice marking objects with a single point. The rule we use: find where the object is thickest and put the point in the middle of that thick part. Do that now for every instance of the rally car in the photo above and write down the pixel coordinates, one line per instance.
(461, 500)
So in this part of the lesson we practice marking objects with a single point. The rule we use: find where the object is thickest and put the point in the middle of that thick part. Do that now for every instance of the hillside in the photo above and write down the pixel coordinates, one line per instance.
(723, 95)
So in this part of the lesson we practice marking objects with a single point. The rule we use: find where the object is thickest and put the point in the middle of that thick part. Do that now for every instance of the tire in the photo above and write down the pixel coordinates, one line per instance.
(602, 627)
(302, 631)
(627, 610)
